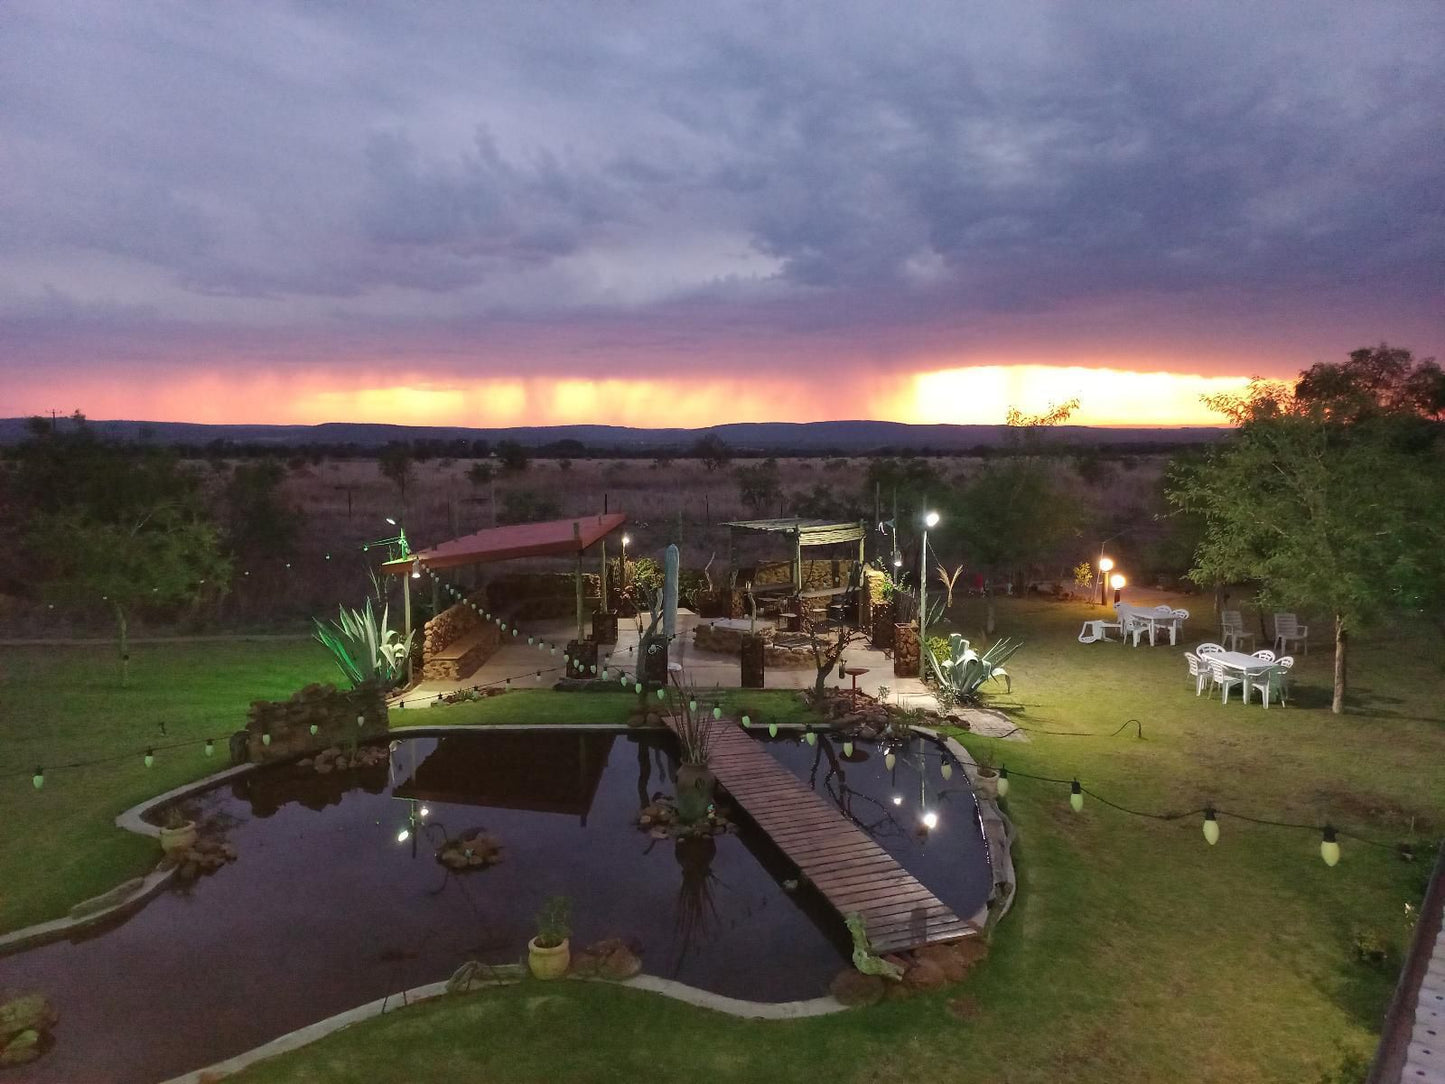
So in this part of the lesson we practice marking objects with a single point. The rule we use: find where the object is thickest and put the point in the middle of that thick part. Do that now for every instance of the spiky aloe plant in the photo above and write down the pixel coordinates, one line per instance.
(364, 648)
(964, 670)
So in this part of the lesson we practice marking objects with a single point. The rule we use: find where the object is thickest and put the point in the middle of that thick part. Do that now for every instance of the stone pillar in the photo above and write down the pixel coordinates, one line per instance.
(752, 658)
(583, 656)
(905, 650)
(604, 627)
(882, 629)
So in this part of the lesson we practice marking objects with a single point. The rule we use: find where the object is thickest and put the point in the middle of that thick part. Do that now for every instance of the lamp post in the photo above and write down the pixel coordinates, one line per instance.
(1105, 563)
(929, 520)
(626, 538)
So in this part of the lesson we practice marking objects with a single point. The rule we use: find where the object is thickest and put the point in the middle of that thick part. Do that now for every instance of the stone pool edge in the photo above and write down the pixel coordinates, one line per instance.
(691, 995)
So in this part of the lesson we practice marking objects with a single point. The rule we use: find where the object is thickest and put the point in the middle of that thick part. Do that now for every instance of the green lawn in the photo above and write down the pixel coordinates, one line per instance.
(60, 845)
(1135, 952)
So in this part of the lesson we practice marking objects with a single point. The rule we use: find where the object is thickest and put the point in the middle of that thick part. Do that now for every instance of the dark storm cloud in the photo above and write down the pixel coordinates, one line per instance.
(297, 166)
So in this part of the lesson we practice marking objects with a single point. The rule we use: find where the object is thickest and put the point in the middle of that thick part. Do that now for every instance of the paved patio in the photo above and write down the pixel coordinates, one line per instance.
(705, 669)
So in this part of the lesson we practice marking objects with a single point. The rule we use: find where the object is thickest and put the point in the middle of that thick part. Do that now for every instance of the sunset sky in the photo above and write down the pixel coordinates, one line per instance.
(685, 214)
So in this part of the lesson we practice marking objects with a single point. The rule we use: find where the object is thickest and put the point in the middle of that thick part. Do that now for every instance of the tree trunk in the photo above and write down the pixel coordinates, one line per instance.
(124, 643)
(989, 615)
(1337, 705)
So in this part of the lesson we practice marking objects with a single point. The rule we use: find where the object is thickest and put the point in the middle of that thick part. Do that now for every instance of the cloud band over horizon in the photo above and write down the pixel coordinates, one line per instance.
(642, 214)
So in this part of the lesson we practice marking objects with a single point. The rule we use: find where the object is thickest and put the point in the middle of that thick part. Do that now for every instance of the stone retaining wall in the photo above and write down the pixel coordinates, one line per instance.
(332, 711)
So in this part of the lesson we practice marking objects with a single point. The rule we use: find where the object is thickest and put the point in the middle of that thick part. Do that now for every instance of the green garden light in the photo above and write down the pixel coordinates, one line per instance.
(747, 722)
(1211, 828)
(150, 758)
(1329, 846)
(1076, 797)
(210, 747)
(946, 769)
(772, 730)
(1003, 782)
(38, 779)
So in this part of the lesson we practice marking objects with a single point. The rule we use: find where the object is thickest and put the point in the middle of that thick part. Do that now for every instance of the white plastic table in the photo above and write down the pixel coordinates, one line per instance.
(1248, 666)
(1155, 619)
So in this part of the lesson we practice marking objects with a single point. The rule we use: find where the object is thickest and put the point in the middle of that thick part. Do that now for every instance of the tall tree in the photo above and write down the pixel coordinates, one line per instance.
(1330, 496)
(121, 526)
(712, 451)
(395, 463)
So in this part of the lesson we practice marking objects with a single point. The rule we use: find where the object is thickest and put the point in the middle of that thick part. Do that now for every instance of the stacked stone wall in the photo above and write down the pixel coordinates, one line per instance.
(333, 712)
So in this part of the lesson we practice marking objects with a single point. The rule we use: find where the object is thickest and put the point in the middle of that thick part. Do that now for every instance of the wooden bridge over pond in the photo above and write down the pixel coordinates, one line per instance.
(854, 874)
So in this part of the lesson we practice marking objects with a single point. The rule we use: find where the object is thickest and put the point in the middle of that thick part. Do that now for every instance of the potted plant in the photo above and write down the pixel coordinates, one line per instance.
(549, 953)
(695, 781)
(178, 834)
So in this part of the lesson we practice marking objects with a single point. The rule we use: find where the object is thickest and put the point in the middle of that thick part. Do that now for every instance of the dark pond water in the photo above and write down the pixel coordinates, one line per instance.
(326, 908)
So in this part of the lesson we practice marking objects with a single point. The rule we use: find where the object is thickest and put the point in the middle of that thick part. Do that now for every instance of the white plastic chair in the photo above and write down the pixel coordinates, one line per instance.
(1233, 630)
(1225, 679)
(1198, 670)
(1264, 653)
(1288, 630)
(1273, 684)
(1135, 626)
(1179, 616)
(1208, 649)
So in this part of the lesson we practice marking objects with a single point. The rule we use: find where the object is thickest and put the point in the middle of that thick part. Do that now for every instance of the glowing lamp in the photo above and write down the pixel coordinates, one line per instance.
(889, 759)
(931, 520)
(1002, 783)
(637, 688)
(810, 737)
(1329, 846)
(772, 730)
(266, 739)
(661, 694)
(210, 747)
(930, 820)
(38, 779)
(747, 721)
(403, 835)
(150, 758)
(1117, 580)
(423, 812)
(313, 728)
(1211, 828)
(847, 749)
(1076, 797)
(946, 769)
(717, 712)
(692, 705)
(1105, 563)
(898, 799)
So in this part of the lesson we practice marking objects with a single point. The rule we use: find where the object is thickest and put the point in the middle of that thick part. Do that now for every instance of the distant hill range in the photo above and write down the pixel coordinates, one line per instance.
(805, 438)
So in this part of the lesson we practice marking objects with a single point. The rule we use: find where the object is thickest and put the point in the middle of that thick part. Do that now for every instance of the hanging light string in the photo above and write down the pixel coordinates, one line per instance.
(1208, 811)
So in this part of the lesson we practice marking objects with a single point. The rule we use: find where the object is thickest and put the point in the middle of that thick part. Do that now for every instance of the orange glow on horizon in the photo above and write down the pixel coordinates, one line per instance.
(974, 395)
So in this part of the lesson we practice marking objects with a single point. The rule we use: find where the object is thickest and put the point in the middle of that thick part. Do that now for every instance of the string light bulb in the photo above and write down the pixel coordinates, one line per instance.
(1329, 846)
(403, 835)
(266, 738)
(772, 730)
(847, 748)
(930, 820)
(717, 711)
(946, 769)
(313, 728)
(150, 758)
(1211, 827)
(889, 760)
(210, 747)
(810, 737)
(1076, 797)
(1002, 783)
(747, 722)
(38, 779)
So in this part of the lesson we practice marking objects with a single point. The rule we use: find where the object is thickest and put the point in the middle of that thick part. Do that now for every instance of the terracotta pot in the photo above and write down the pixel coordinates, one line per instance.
(549, 963)
(176, 840)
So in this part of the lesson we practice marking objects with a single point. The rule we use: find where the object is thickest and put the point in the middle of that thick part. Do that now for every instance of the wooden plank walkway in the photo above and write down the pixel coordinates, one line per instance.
(852, 872)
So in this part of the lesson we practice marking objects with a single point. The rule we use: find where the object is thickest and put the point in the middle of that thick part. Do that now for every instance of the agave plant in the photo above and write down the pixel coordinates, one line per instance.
(364, 648)
(963, 670)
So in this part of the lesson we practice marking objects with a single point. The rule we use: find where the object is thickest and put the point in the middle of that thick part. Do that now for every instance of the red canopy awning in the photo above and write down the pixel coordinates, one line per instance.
(558, 536)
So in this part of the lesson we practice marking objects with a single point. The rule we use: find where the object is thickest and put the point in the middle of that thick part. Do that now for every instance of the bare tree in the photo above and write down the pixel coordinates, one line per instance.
(828, 646)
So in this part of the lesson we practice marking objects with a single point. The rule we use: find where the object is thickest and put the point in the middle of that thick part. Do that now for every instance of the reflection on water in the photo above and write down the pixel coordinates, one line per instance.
(337, 897)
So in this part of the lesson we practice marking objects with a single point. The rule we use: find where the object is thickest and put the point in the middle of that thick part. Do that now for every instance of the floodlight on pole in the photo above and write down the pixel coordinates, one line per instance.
(930, 519)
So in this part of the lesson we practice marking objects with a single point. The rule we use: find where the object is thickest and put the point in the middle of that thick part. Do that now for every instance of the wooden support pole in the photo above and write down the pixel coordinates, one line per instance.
(406, 606)
(577, 536)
